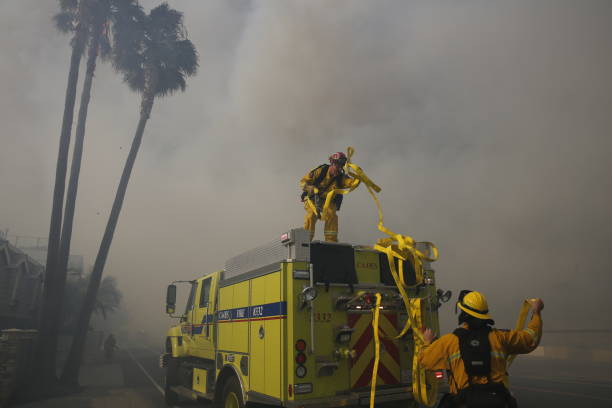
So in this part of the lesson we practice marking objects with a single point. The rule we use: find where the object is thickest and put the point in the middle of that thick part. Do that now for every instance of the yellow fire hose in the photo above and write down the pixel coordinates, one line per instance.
(520, 325)
(376, 312)
(402, 248)
(310, 204)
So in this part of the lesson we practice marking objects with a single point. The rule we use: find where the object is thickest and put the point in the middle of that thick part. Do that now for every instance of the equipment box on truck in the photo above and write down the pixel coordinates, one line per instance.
(290, 324)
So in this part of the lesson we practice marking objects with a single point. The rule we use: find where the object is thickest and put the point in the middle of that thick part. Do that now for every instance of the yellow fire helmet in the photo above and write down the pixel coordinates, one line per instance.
(475, 304)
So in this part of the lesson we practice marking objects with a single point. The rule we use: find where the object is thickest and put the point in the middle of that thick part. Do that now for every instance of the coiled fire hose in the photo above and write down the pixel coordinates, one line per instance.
(401, 248)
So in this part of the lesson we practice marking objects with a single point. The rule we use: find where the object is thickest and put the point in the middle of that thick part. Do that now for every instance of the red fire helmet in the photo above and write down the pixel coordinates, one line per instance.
(338, 157)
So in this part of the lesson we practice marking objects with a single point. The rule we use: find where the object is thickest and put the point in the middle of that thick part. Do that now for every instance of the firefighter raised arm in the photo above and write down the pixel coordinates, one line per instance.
(476, 353)
(316, 184)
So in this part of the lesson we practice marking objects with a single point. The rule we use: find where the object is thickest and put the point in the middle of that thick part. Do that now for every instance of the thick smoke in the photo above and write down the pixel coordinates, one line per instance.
(486, 124)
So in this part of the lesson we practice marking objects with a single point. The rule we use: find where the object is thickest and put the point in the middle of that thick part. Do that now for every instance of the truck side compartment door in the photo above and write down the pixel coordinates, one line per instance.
(267, 312)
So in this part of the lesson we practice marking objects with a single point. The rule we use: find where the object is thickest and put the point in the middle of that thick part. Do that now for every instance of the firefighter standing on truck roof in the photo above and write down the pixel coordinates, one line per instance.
(475, 354)
(315, 185)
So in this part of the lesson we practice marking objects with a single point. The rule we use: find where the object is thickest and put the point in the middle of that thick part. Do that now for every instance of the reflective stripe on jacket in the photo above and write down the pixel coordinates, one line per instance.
(444, 354)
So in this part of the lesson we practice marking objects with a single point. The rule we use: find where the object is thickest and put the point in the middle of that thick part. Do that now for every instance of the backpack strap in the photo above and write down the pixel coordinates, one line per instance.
(324, 168)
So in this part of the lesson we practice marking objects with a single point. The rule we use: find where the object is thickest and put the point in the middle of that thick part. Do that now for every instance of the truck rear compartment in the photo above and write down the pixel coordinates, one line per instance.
(269, 315)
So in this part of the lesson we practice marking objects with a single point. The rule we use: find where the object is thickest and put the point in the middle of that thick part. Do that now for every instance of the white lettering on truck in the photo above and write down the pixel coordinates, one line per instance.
(258, 311)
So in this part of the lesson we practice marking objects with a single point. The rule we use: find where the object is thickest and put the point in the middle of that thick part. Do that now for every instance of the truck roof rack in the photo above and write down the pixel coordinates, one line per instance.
(291, 245)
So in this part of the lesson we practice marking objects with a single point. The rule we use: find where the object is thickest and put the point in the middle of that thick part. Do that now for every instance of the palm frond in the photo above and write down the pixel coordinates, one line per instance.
(69, 5)
(166, 22)
(135, 80)
(65, 21)
(157, 42)
(186, 57)
(170, 81)
(105, 46)
(128, 32)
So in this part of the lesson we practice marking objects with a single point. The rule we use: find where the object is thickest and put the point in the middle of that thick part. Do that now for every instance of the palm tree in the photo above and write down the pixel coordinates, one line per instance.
(72, 18)
(93, 18)
(109, 297)
(156, 64)
(108, 300)
(104, 13)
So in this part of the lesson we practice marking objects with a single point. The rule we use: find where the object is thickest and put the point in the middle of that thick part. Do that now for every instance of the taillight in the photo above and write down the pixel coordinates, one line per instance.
(300, 359)
(439, 375)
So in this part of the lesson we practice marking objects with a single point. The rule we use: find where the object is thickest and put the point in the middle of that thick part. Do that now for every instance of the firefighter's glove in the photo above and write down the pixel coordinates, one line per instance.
(536, 305)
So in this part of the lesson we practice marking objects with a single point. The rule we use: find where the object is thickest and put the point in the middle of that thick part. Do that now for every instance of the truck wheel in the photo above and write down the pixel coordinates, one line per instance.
(232, 394)
(171, 378)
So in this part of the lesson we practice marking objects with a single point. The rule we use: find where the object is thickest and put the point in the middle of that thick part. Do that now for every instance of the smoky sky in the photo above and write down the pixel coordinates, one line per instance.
(486, 123)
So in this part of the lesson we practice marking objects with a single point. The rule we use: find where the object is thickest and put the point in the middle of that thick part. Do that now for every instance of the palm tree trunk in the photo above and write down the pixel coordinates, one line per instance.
(64, 250)
(70, 374)
(46, 351)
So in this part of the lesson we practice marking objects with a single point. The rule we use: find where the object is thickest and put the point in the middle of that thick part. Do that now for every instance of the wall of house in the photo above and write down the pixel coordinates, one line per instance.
(16, 361)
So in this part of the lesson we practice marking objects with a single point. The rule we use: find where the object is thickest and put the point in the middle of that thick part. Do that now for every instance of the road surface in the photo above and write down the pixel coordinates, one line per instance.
(536, 383)
(549, 383)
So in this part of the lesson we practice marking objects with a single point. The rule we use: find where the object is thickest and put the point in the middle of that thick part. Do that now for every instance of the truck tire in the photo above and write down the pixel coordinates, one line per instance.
(171, 378)
(232, 394)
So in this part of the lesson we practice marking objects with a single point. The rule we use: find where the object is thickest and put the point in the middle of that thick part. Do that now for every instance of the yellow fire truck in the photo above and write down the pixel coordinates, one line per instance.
(289, 324)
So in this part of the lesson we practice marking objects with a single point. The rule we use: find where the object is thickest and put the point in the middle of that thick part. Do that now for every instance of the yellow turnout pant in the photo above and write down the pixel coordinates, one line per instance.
(331, 223)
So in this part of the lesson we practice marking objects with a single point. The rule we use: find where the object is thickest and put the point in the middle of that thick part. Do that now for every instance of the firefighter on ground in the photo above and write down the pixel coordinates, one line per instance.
(315, 186)
(474, 355)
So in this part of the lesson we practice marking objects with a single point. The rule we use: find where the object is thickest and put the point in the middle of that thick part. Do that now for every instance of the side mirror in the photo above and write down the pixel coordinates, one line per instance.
(170, 299)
